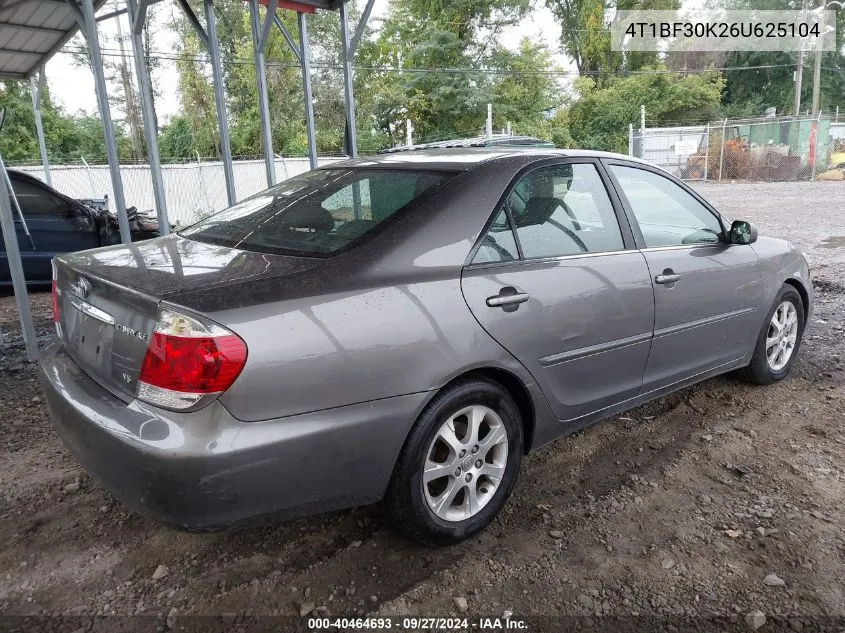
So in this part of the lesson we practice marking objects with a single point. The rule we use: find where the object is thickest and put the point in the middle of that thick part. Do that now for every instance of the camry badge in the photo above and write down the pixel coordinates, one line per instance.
(130, 331)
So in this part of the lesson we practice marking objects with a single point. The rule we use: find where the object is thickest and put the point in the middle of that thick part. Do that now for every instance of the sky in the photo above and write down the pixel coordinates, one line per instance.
(73, 86)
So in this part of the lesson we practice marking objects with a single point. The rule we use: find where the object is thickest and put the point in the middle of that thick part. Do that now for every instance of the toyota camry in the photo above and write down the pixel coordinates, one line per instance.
(404, 328)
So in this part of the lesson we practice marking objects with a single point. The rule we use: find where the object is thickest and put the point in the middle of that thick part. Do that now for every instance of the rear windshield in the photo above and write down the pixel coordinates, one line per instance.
(318, 213)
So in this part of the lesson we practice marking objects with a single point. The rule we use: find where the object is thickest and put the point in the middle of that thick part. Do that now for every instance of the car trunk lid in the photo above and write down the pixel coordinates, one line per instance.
(108, 298)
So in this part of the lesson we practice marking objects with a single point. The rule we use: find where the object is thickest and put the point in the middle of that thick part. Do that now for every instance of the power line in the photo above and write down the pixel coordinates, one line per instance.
(442, 70)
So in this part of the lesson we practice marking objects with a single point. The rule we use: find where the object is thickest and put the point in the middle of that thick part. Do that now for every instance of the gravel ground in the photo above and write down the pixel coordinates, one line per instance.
(720, 500)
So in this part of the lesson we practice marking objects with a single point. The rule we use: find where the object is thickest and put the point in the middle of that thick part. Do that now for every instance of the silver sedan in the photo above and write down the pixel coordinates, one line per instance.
(404, 328)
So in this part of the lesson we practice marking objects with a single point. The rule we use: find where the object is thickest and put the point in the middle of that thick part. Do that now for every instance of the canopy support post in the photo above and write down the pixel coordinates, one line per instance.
(348, 93)
(305, 61)
(219, 100)
(349, 49)
(13, 256)
(88, 25)
(260, 34)
(36, 91)
(137, 15)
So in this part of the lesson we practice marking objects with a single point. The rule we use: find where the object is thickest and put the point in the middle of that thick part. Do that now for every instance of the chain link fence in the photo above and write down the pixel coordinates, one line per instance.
(770, 149)
(774, 149)
(192, 190)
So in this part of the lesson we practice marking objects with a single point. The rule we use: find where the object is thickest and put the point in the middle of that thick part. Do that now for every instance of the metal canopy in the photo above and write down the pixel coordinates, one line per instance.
(329, 5)
(31, 32)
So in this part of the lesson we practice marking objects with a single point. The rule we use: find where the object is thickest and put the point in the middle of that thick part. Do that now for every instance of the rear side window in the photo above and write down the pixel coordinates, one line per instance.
(499, 244)
(318, 213)
(557, 211)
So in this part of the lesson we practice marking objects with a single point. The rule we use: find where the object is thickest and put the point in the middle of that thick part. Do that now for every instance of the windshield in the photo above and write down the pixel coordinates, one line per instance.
(318, 213)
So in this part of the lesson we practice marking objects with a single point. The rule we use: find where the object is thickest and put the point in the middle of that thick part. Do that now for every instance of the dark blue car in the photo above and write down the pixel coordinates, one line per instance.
(57, 224)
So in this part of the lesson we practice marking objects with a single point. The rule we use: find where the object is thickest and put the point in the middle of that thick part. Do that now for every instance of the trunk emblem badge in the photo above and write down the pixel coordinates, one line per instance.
(130, 332)
(82, 288)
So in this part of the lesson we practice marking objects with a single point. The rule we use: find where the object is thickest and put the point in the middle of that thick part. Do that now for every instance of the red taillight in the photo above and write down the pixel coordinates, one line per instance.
(55, 303)
(193, 364)
(188, 358)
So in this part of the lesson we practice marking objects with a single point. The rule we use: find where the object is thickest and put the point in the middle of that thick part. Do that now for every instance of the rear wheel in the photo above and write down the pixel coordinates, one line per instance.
(458, 465)
(779, 340)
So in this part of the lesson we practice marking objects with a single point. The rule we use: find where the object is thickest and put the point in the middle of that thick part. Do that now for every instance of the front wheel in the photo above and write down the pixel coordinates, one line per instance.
(779, 340)
(458, 465)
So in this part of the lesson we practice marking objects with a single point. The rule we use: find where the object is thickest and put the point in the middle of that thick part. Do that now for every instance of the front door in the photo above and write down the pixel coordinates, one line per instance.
(54, 228)
(554, 282)
(705, 289)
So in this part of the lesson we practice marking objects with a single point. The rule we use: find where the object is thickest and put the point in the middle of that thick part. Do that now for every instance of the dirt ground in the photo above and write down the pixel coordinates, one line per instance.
(674, 512)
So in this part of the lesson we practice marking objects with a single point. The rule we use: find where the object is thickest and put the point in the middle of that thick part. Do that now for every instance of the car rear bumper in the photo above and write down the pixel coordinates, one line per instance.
(206, 470)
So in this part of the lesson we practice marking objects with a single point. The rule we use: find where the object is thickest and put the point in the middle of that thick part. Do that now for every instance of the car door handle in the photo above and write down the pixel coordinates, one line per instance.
(667, 278)
(505, 298)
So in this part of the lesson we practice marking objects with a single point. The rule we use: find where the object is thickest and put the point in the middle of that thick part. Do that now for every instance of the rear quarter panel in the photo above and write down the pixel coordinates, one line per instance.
(359, 345)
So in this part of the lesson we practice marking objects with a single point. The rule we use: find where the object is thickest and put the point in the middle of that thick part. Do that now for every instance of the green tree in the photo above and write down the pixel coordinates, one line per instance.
(66, 137)
(17, 139)
(585, 35)
(759, 80)
(525, 88)
(176, 140)
(90, 141)
(439, 64)
(600, 118)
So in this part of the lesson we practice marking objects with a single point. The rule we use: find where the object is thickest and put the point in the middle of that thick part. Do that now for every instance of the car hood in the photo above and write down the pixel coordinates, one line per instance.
(169, 265)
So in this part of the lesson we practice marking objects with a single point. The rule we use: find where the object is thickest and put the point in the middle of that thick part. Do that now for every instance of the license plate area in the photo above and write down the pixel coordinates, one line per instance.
(90, 338)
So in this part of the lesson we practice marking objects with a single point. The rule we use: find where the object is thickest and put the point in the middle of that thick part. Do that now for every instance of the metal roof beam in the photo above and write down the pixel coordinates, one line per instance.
(359, 30)
(288, 37)
(110, 15)
(14, 52)
(268, 24)
(30, 29)
(195, 22)
(140, 17)
(77, 13)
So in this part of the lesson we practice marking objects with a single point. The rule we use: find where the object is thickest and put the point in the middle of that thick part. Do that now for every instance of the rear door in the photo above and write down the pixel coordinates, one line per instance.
(557, 281)
(705, 289)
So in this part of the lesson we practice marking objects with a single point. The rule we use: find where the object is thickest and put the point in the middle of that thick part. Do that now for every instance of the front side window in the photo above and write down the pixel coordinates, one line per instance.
(666, 214)
(319, 212)
(37, 202)
(564, 210)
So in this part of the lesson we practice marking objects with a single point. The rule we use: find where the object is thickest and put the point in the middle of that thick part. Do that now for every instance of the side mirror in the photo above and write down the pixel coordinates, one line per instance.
(742, 232)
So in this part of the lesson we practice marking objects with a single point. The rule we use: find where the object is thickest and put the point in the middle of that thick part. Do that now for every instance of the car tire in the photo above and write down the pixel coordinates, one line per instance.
(417, 502)
(761, 370)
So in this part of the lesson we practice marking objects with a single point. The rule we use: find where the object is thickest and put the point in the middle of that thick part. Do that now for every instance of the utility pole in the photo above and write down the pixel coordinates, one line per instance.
(799, 73)
(817, 71)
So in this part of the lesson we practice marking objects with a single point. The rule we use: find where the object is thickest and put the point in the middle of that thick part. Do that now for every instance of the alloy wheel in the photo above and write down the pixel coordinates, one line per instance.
(465, 463)
(782, 336)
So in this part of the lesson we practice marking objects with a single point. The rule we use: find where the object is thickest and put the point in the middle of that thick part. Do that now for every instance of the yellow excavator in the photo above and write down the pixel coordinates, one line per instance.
(837, 156)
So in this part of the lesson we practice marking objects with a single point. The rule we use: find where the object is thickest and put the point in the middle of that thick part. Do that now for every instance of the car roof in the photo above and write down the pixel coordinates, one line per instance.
(462, 159)
(14, 173)
(478, 141)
